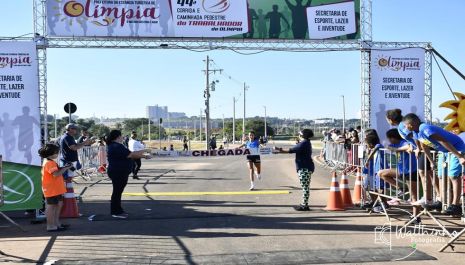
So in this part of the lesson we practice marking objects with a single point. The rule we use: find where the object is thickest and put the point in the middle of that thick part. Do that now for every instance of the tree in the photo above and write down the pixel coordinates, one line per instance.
(130, 125)
(85, 124)
(258, 126)
(99, 130)
(228, 129)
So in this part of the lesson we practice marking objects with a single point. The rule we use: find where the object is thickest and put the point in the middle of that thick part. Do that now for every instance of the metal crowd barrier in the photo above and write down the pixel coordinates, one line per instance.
(91, 161)
(430, 181)
(342, 157)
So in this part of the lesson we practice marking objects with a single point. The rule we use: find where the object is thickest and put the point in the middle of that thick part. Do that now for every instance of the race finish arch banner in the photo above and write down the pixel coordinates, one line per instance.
(216, 153)
(20, 126)
(397, 82)
(253, 19)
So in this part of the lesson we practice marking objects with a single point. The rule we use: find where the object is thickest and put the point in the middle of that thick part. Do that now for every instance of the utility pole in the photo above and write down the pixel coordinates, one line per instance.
(234, 121)
(160, 120)
(265, 123)
(150, 137)
(168, 127)
(200, 126)
(223, 128)
(195, 129)
(207, 100)
(243, 120)
(142, 136)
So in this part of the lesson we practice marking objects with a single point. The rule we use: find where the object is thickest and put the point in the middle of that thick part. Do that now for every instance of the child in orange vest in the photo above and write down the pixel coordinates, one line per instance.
(53, 186)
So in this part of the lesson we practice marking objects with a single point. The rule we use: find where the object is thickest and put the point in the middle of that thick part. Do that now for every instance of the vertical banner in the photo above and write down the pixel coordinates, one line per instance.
(20, 125)
(397, 82)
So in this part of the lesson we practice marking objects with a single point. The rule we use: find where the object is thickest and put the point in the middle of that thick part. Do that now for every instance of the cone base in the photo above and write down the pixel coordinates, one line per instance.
(70, 209)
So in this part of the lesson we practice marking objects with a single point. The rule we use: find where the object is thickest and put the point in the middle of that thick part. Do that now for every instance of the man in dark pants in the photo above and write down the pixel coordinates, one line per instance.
(120, 163)
(133, 146)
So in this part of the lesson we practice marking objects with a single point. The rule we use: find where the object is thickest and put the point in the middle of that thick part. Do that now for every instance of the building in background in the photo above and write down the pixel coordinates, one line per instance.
(177, 115)
(156, 112)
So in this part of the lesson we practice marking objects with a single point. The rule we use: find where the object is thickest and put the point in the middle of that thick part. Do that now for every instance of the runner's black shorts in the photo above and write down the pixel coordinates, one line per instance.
(54, 200)
(253, 158)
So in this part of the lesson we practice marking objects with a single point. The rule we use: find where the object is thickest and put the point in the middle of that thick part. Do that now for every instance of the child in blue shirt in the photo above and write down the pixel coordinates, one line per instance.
(374, 163)
(405, 171)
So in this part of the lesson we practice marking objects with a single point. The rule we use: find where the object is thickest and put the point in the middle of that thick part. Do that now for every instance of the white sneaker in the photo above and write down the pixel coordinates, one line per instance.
(419, 202)
(120, 216)
(252, 187)
(258, 176)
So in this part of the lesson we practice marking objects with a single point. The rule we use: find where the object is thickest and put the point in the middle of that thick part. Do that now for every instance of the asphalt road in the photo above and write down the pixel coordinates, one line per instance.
(200, 211)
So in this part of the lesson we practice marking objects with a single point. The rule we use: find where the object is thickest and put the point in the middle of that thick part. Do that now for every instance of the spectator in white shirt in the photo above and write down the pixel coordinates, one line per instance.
(133, 146)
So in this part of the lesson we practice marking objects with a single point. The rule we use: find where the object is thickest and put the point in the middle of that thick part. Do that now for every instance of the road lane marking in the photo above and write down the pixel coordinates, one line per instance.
(197, 193)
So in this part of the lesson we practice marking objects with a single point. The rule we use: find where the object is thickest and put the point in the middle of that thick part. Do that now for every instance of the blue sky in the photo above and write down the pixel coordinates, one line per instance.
(120, 83)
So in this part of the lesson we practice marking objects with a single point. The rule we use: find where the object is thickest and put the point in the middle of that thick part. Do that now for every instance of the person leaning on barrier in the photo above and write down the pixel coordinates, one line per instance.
(394, 118)
(84, 136)
(434, 137)
(405, 172)
(304, 165)
(69, 148)
(120, 165)
(374, 163)
(353, 137)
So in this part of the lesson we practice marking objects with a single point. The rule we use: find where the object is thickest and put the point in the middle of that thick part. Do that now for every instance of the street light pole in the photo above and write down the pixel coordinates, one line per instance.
(223, 127)
(159, 132)
(150, 137)
(344, 114)
(243, 120)
(195, 129)
(200, 126)
(234, 120)
(265, 123)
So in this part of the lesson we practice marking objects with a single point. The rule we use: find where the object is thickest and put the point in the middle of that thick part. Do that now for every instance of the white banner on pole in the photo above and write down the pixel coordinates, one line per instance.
(19, 103)
(397, 82)
(147, 18)
(331, 20)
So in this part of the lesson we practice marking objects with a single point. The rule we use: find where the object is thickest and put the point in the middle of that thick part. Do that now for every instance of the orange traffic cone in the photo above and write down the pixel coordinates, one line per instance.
(345, 192)
(70, 208)
(357, 198)
(334, 198)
